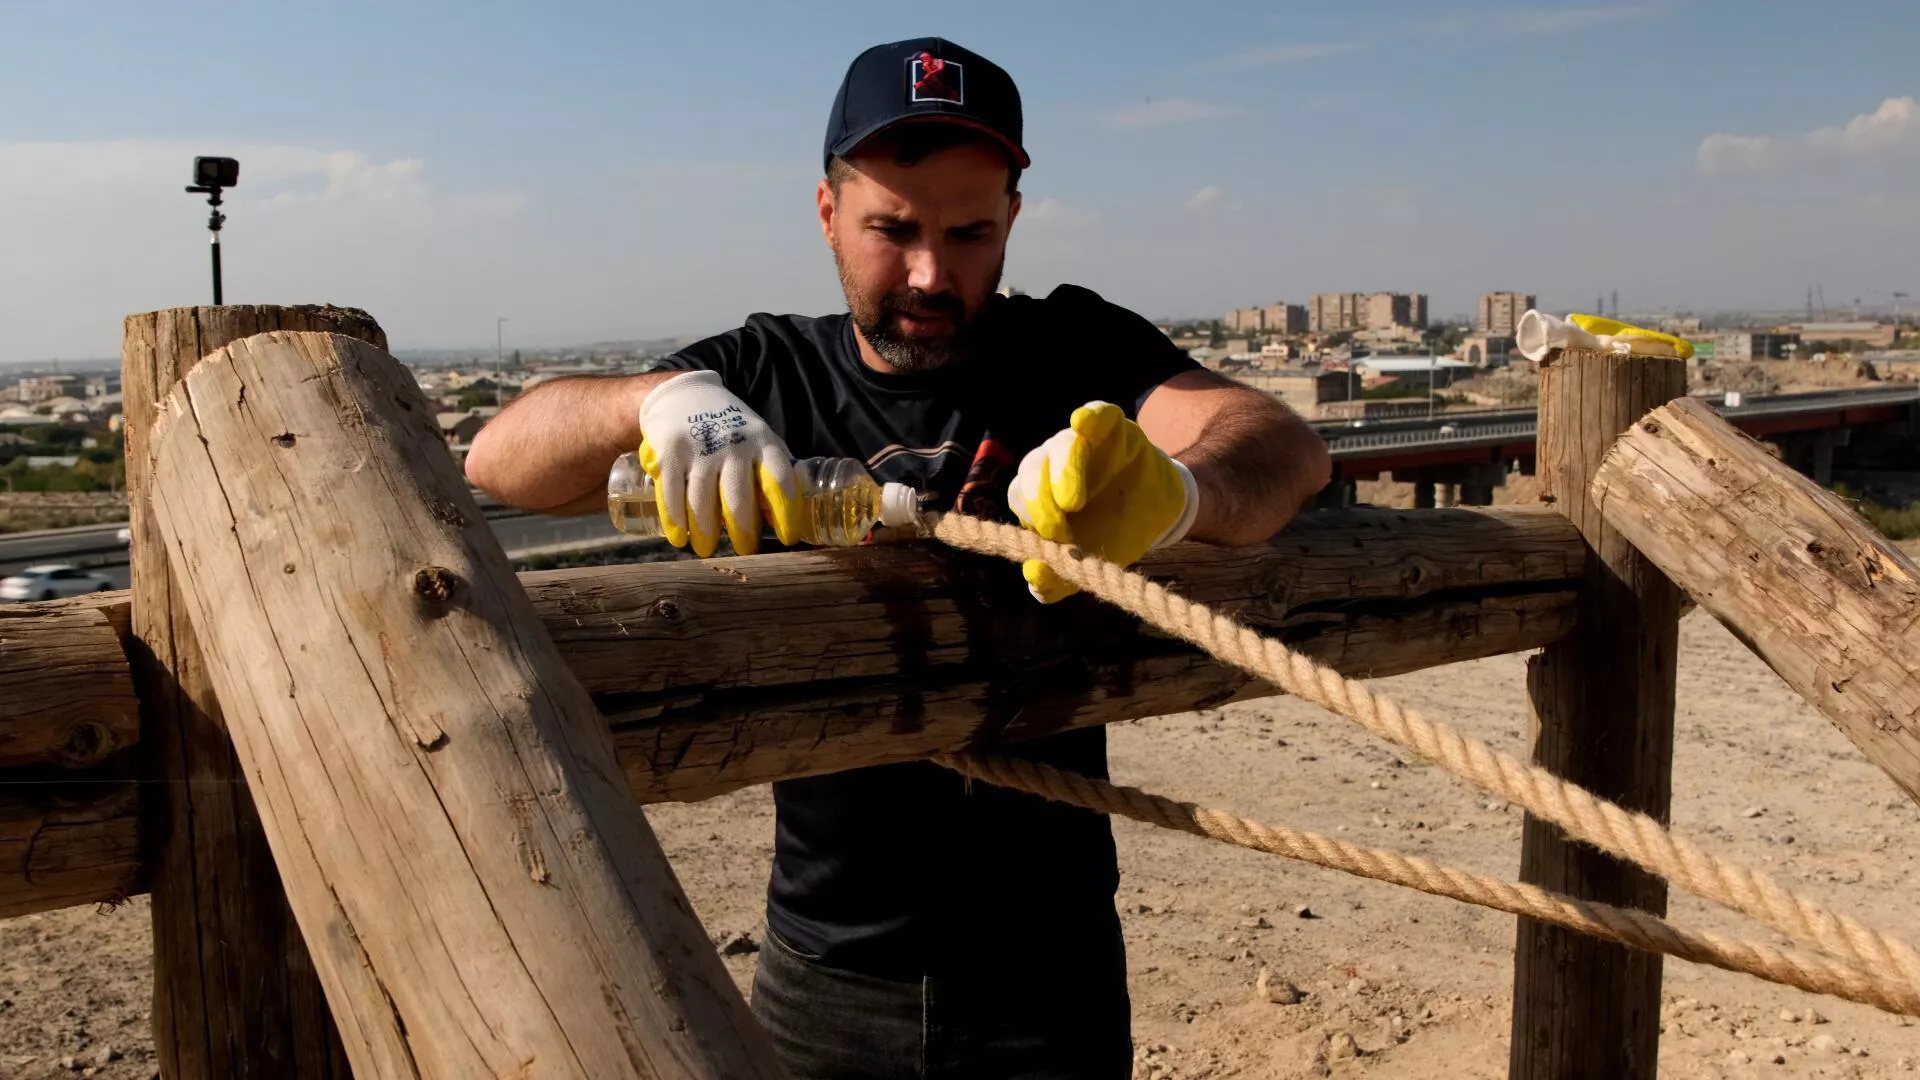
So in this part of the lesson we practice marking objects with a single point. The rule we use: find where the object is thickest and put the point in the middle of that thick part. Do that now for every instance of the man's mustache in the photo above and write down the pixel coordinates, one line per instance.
(916, 302)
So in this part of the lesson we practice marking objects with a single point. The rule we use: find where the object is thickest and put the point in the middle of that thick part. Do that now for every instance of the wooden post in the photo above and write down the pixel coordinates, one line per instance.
(1827, 602)
(234, 992)
(480, 892)
(1603, 706)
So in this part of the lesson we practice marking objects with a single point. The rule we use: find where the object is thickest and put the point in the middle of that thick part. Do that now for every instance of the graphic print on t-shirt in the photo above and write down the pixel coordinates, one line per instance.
(984, 495)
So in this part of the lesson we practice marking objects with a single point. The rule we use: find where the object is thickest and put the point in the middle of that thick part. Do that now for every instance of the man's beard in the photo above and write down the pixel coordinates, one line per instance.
(874, 316)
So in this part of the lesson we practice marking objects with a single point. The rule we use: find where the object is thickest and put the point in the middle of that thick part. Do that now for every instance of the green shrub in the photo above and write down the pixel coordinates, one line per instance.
(1893, 522)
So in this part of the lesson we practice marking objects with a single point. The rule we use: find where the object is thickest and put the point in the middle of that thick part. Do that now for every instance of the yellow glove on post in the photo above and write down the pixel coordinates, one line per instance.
(1611, 328)
(1101, 484)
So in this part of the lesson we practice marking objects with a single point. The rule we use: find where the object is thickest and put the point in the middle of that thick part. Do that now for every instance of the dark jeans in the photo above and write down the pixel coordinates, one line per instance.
(1040, 1017)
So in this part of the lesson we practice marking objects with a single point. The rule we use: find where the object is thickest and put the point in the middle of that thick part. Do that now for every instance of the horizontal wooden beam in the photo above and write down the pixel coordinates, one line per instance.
(726, 673)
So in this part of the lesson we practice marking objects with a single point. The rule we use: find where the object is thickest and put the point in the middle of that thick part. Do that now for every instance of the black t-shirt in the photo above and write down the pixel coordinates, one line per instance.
(907, 869)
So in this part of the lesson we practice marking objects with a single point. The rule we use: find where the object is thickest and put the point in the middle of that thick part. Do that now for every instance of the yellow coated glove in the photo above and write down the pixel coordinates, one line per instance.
(715, 462)
(1603, 327)
(1102, 485)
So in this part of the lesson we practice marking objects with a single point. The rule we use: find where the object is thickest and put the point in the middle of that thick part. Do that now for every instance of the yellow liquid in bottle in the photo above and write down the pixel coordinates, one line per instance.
(839, 502)
(630, 501)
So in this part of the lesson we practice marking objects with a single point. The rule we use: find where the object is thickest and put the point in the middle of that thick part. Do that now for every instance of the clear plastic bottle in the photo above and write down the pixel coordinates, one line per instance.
(839, 503)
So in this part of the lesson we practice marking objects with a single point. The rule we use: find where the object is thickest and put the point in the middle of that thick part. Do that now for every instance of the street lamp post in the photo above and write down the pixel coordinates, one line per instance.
(499, 359)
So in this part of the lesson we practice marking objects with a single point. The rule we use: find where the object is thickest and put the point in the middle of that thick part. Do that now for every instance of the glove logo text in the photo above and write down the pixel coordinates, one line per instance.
(713, 432)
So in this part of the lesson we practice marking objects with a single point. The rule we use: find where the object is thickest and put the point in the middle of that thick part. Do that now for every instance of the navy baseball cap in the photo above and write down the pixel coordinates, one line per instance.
(925, 79)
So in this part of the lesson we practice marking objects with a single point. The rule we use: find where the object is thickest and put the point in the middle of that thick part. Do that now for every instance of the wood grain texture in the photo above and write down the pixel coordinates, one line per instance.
(799, 663)
(1821, 596)
(69, 729)
(234, 993)
(1603, 704)
(69, 702)
(479, 891)
(720, 674)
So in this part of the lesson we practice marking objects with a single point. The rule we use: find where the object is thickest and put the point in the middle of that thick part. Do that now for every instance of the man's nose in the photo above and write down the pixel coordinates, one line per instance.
(927, 269)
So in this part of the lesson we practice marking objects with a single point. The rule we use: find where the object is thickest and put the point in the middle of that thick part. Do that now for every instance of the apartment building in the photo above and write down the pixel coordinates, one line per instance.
(1331, 312)
(1499, 312)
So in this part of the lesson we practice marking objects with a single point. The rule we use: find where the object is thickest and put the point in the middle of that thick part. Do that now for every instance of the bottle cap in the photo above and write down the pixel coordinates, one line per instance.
(899, 506)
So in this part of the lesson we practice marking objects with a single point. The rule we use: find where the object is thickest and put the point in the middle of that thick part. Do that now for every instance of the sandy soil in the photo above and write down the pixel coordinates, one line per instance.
(1417, 986)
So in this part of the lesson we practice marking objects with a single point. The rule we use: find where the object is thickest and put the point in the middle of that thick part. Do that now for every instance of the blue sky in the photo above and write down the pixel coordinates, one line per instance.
(594, 170)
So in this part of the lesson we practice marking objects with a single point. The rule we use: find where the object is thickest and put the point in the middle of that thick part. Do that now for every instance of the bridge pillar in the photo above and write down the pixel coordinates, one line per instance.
(1476, 494)
(1338, 495)
(1823, 443)
(1423, 494)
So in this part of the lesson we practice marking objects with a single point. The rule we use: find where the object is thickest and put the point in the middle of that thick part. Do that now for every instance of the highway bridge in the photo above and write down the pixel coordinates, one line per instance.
(1472, 450)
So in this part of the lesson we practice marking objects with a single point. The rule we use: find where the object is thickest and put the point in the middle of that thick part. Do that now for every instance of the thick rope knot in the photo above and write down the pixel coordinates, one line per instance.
(1860, 963)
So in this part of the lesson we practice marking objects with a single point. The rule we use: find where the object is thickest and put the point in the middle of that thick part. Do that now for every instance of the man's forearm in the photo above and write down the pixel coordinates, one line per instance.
(1256, 464)
(550, 450)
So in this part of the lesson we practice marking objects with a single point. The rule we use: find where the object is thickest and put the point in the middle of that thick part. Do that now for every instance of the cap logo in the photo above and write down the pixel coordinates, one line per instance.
(935, 79)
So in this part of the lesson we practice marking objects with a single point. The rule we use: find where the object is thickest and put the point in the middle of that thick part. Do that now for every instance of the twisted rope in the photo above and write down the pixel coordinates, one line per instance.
(1806, 971)
(1634, 837)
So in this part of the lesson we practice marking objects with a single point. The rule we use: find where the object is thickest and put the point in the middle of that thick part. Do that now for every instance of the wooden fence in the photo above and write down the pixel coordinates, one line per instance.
(293, 509)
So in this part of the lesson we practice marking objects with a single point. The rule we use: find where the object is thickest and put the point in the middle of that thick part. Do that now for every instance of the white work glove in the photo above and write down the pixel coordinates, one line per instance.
(713, 460)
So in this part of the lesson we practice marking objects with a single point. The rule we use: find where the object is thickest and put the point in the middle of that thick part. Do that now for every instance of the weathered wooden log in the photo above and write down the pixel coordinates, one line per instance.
(1825, 600)
(477, 886)
(69, 701)
(234, 993)
(69, 838)
(730, 672)
(1603, 705)
(481, 895)
(69, 724)
(785, 665)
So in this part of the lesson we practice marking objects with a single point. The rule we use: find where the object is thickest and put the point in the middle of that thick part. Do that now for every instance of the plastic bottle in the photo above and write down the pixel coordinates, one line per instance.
(839, 503)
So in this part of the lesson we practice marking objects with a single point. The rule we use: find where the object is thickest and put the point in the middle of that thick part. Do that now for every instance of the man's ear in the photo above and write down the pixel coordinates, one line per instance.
(824, 197)
(1013, 211)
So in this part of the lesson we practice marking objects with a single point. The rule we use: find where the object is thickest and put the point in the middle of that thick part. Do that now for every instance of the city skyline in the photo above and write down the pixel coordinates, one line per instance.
(605, 172)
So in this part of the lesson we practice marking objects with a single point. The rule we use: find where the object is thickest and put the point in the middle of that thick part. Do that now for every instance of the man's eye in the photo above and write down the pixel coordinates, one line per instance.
(895, 232)
(969, 236)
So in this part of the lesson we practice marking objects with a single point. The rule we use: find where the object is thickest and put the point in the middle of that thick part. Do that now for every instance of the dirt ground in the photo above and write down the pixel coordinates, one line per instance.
(1417, 986)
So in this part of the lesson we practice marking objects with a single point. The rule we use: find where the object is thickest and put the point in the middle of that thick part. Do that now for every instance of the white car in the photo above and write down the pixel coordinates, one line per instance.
(50, 582)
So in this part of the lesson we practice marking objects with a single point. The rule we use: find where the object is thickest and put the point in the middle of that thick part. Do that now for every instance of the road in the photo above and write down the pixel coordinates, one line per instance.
(96, 547)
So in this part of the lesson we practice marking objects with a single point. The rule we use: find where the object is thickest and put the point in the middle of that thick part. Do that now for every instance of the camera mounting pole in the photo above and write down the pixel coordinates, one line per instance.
(211, 175)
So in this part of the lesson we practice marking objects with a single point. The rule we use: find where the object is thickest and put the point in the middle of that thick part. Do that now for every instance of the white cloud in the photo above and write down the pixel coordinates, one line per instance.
(1286, 53)
(1168, 112)
(111, 232)
(1890, 131)
(1057, 213)
(1205, 197)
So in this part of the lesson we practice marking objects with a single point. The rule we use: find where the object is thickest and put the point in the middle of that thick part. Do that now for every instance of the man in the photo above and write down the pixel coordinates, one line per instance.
(918, 925)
